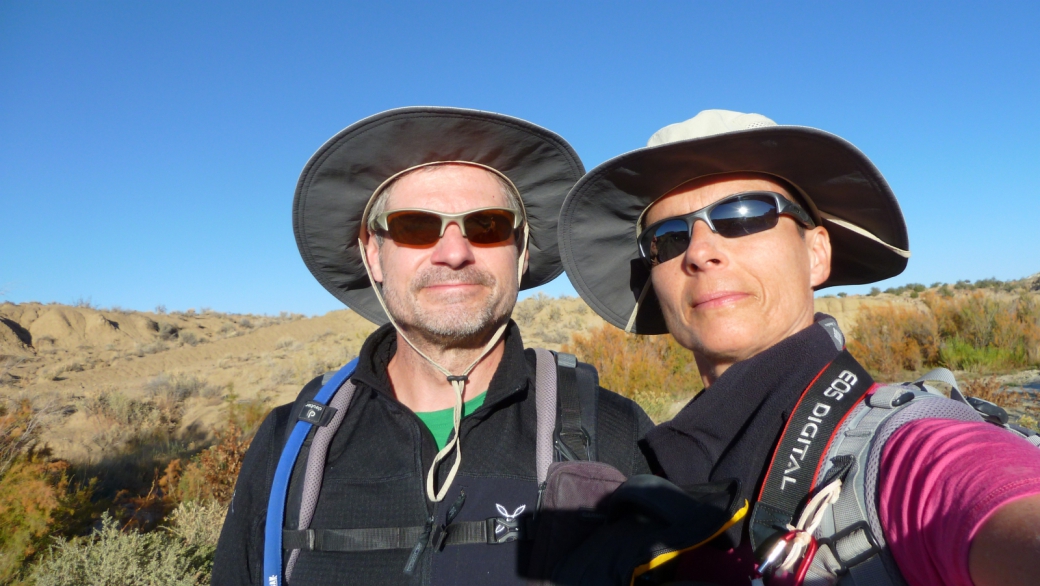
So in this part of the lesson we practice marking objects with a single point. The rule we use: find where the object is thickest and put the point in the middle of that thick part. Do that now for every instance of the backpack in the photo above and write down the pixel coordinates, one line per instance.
(832, 484)
(566, 399)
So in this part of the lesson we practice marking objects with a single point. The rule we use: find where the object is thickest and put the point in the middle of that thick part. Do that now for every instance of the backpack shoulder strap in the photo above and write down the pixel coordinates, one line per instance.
(545, 405)
(320, 412)
(566, 399)
(577, 388)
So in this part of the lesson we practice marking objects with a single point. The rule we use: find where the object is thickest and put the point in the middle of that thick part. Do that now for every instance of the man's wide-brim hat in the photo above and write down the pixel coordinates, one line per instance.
(340, 179)
(839, 184)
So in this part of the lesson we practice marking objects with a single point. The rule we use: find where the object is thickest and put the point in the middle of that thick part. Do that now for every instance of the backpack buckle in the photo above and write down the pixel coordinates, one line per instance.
(503, 530)
(832, 542)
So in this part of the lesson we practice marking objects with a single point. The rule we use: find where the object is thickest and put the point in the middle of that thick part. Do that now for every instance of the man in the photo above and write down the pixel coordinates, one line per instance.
(437, 216)
(724, 227)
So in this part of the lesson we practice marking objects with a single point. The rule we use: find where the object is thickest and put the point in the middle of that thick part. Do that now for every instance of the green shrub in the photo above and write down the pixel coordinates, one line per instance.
(111, 557)
(958, 354)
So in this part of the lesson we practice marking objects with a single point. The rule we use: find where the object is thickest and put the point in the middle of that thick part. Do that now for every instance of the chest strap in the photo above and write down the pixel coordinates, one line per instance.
(799, 456)
(489, 531)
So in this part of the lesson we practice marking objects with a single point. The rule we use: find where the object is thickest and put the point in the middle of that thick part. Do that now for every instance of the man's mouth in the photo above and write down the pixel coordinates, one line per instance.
(440, 280)
(448, 286)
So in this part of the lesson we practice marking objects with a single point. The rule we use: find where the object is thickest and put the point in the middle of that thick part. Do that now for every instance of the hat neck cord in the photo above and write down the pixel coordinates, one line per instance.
(635, 310)
(458, 382)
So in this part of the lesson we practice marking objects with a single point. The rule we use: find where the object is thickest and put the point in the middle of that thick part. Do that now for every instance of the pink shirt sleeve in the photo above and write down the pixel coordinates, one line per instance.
(940, 481)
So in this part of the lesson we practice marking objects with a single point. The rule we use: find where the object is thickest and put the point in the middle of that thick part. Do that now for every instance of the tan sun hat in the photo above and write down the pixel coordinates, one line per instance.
(843, 191)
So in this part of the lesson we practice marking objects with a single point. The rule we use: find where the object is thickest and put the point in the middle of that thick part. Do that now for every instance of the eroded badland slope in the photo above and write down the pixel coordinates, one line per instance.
(97, 367)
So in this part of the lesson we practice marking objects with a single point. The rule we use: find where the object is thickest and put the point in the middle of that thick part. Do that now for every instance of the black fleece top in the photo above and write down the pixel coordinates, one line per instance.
(376, 468)
(731, 428)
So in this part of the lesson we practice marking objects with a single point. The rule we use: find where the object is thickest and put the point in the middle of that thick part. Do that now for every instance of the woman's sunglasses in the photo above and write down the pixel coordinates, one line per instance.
(738, 215)
(418, 227)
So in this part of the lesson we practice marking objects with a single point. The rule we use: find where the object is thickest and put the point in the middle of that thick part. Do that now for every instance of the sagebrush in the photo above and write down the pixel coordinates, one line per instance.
(972, 332)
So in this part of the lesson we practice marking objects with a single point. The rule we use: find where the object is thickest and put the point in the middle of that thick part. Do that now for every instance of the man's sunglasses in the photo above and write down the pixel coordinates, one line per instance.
(418, 227)
(738, 215)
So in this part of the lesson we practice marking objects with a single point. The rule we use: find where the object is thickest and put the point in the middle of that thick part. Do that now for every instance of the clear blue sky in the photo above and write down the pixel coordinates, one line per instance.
(149, 150)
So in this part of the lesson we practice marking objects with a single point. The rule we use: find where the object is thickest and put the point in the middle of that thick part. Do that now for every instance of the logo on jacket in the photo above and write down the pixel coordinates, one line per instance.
(499, 528)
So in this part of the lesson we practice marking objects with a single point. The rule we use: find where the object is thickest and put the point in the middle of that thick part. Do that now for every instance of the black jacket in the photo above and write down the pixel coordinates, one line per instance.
(731, 429)
(376, 471)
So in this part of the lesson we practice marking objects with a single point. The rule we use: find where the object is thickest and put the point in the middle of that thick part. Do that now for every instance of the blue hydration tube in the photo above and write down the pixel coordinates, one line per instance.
(280, 485)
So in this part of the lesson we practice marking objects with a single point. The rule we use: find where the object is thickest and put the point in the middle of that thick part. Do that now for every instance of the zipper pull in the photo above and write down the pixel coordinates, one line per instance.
(420, 546)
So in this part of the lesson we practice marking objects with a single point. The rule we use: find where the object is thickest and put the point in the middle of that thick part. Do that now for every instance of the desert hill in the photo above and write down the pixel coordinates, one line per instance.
(74, 356)
(109, 368)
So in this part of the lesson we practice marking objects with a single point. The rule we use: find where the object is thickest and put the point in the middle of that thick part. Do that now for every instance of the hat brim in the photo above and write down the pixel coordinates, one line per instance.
(340, 178)
(598, 220)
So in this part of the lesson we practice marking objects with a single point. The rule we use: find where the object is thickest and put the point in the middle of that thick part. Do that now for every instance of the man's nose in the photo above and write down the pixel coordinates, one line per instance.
(452, 249)
(703, 253)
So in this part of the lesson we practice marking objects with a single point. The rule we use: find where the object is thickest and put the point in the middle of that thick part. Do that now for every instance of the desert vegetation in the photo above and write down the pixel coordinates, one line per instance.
(122, 433)
(972, 332)
(148, 512)
(654, 371)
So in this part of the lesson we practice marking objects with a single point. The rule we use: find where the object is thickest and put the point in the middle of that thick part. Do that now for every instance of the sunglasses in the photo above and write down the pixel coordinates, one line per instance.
(741, 214)
(418, 227)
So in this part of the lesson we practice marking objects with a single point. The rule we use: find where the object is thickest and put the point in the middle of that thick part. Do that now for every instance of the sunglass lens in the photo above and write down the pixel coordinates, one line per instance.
(744, 216)
(413, 228)
(666, 241)
(489, 226)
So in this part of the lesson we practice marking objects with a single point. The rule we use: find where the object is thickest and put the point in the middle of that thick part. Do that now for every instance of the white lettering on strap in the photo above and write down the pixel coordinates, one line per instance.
(836, 390)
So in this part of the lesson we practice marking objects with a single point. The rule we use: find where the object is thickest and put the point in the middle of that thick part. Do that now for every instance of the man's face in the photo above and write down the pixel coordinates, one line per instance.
(728, 299)
(454, 292)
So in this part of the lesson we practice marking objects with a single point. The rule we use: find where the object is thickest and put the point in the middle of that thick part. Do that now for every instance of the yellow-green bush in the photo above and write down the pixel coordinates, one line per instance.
(975, 331)
(984, 332)
(654, 371)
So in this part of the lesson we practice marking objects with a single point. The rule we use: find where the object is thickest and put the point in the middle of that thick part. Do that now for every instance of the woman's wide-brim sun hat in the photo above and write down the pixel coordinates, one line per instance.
(341, 177)
(841, 187)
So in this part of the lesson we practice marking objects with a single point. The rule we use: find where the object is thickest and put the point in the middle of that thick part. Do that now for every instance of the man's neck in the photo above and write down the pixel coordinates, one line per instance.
(421, 387)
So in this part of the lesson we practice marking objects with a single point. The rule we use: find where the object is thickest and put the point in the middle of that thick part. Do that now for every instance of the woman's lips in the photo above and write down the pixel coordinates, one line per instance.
(718, 299)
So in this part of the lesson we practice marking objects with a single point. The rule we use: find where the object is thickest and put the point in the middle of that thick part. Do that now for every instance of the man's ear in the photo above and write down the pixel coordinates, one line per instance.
(818, 241)
(371, 253)
(527, 256)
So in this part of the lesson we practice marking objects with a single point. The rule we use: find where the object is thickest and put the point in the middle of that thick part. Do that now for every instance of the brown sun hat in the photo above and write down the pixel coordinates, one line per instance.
(340, 179)
(843, 191)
